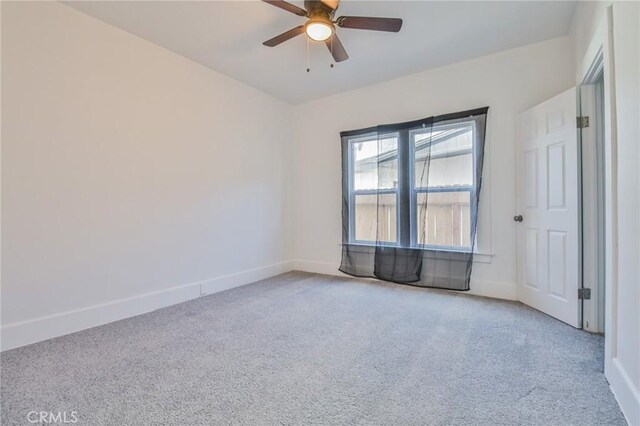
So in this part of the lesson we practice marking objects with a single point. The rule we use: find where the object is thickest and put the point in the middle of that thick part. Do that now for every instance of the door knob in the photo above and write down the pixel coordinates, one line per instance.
(518, 218)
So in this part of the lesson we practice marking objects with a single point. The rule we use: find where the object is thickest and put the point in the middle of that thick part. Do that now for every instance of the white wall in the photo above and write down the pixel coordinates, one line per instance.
(623, 332)
(508, 82)
(127, 170)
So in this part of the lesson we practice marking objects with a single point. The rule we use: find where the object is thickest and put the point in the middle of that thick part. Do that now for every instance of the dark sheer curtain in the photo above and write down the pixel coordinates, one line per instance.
(410, 199)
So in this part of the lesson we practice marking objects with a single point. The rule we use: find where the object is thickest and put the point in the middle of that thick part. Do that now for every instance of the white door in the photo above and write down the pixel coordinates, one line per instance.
(548, 188)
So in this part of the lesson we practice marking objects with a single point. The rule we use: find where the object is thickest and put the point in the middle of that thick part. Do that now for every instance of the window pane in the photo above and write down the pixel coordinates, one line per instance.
(371, 210)
(443, 157)
(375, 163)
(447, 219)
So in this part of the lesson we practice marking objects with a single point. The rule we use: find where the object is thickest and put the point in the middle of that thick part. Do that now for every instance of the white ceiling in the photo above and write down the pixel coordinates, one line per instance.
(227, 36)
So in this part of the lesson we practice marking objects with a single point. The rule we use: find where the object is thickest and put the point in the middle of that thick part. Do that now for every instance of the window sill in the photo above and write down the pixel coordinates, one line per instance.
(482, 257)
(478, 257)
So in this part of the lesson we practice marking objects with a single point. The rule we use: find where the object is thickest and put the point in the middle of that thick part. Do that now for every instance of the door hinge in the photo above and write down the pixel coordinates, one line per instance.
(584, 293)
(582, 122)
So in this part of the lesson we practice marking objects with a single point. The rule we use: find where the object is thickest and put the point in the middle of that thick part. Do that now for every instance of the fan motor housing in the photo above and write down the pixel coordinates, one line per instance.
(316, 8)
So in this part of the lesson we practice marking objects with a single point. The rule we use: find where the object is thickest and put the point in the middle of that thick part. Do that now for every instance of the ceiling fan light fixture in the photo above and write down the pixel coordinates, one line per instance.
(321, 26)
(319, 30)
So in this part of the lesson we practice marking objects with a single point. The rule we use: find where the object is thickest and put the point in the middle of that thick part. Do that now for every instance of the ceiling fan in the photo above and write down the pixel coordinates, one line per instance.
(321, 26)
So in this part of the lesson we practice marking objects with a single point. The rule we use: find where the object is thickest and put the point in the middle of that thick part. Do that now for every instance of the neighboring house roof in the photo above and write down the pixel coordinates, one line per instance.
(422, 148)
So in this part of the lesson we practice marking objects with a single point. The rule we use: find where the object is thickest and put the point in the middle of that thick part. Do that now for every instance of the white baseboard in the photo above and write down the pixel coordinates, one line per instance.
(317, 267)
(627, 395)
(50, 326)
(227, 282)
(495, 289)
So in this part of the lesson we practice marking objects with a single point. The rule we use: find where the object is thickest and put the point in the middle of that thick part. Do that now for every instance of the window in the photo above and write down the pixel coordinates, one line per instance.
(410, 193)
(374, 189)
(443, 185)
(391, 177)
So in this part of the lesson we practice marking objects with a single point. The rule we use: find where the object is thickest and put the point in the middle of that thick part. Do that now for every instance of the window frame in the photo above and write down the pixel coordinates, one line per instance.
(406, 191)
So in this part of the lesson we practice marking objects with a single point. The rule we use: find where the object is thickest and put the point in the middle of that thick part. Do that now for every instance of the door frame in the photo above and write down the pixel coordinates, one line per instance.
(593, 168)
(599, 56)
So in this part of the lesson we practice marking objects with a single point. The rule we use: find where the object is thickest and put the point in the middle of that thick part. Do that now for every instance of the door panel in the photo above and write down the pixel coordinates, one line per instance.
(531, 177)
(532, 258)
(548, 188)
(556, 167)
(557, 264)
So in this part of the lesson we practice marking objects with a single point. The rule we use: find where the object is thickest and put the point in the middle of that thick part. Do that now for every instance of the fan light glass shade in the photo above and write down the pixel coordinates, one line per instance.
(319, 31)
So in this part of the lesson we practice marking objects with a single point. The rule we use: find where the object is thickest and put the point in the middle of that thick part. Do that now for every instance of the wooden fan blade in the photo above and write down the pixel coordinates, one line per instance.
(365, 23)
(336, 48)
(284, 36)
(333, 4)
(287, 6)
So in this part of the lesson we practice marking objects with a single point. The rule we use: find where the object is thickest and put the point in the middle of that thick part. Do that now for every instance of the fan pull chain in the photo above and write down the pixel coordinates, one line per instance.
(308, 68)
(331, 44)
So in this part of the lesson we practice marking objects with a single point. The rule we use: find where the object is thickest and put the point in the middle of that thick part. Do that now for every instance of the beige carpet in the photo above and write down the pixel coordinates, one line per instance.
(312, 349)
